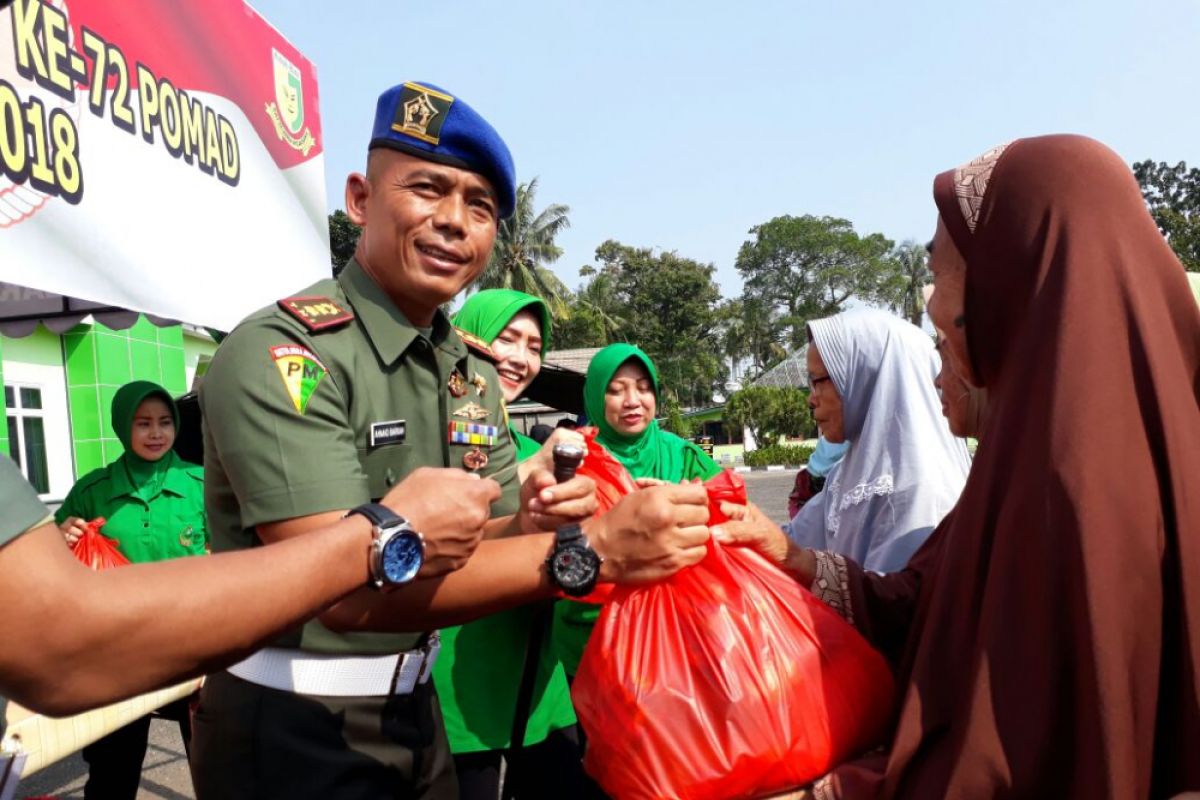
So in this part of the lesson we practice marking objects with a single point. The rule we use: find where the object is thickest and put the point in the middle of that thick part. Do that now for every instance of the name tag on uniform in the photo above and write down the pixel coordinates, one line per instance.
(390, 432)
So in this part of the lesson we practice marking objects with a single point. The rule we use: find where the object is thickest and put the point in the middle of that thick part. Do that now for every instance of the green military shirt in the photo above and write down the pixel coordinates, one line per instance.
(21, 512)
(168, 525)
(301, 419)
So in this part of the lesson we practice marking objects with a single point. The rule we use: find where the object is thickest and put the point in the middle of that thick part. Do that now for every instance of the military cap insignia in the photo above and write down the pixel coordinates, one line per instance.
(475, 343)
(301, 371)
(316, 313)
(471, 411)
(421, 112)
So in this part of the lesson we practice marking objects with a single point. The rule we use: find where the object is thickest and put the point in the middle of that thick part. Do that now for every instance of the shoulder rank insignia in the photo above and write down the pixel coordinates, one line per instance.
(475, 343)
(316, 313)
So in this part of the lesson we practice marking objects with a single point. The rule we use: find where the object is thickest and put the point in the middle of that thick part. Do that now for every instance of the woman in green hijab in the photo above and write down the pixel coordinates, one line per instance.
(153, 502)
(480, 668)
(620, 396)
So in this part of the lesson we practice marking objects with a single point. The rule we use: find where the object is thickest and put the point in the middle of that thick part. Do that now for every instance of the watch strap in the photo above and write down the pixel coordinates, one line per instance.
(378, 513)
(570, 532)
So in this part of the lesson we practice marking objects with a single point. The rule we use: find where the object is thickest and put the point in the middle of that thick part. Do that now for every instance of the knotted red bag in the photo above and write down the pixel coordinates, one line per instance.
(726, 680)
(96, 550)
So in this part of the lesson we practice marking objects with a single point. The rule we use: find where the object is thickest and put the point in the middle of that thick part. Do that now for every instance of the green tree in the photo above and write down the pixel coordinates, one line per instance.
(803, 268)
(770, 412)
(748, 335)
(524, 247)
(912, 262)
(663, 302)
(1173, 196)
(593, 317)
(343, 238)
(672, 415)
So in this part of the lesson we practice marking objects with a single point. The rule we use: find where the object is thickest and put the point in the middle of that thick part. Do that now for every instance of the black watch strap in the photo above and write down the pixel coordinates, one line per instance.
(378, 513)
(565, 534)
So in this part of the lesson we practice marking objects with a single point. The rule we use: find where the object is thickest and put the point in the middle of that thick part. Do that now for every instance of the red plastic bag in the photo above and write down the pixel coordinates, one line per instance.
(724, 487)
(612, 480)
(728, 680)
(96, 550)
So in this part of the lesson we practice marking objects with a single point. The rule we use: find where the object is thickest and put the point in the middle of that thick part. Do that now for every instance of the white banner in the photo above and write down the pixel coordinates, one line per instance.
(161, 156)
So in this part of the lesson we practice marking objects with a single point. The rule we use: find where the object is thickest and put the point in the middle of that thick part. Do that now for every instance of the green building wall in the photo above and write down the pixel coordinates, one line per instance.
(3, 407)
(99, 361)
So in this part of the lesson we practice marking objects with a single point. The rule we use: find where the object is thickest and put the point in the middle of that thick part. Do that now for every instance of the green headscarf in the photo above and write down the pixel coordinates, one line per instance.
(654, 453)
(146, 476)
(488, 312)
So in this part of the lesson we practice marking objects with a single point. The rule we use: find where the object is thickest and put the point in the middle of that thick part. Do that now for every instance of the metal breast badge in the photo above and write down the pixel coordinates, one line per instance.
(475, 459)
(457, 384)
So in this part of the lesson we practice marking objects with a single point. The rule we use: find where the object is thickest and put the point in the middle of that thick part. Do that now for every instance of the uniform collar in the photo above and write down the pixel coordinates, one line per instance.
(390, 332)
(175, 482)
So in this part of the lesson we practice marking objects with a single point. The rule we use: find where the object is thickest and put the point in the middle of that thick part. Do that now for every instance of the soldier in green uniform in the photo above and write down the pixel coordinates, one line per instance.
(75, 639)
(317, 405)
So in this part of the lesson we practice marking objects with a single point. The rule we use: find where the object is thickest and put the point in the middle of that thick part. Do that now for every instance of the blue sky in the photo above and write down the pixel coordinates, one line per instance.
(681, 125)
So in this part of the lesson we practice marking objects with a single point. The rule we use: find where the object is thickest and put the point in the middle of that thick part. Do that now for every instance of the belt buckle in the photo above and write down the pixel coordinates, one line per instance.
(416, 666)
(430, 650)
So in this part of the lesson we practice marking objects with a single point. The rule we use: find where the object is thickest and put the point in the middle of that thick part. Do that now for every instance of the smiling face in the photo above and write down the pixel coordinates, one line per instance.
(153, 430)
(629, 400)
(823, 399)
(518, 350)
(428, 228)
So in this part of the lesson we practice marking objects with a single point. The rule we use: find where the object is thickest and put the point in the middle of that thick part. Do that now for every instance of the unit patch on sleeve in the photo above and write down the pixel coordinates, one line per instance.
(316, 313)
(301, 370)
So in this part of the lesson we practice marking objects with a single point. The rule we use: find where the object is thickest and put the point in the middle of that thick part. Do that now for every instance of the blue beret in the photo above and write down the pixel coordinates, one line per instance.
(427, 122)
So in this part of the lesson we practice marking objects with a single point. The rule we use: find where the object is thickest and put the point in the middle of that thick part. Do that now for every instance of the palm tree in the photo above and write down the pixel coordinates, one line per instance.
(913, 262)
(524, 247)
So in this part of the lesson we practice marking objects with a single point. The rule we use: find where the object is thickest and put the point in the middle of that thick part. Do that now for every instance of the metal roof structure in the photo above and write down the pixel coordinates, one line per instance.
(791, 372)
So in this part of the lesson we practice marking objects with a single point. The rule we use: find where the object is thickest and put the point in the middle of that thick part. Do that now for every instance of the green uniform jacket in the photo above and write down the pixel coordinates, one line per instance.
(478, 674)
(170, 525)
(22, 512)
(300, 422)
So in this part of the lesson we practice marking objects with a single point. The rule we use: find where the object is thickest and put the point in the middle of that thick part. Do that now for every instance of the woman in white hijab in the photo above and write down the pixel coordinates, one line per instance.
(872, 378)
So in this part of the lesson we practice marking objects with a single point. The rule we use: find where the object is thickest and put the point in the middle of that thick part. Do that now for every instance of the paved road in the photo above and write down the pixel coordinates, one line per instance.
(165, 773)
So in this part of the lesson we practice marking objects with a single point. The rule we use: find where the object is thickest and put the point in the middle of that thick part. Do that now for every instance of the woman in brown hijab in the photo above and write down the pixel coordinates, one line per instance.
(1047, 636)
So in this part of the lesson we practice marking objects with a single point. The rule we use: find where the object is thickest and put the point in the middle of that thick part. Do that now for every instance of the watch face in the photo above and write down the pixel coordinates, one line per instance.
(403, 556)
(575, 567)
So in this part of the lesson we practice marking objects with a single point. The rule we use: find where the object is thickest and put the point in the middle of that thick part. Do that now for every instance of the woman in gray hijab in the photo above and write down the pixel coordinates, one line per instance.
(872, 378)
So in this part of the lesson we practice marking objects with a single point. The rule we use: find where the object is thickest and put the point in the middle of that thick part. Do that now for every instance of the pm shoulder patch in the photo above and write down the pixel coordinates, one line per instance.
(301, 371)
(475, 343)
(317, 313)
